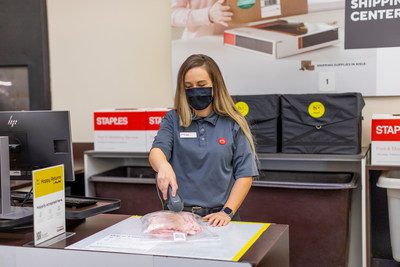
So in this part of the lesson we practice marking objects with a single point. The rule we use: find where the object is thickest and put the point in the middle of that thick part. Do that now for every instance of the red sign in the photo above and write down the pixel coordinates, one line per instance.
(385, 130)
(153, 120)
(120, 121)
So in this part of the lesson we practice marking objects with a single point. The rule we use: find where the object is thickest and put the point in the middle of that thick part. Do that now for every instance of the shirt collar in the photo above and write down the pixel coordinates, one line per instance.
(211, 118)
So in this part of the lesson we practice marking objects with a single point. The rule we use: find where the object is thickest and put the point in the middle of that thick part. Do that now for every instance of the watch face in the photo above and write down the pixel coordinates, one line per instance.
(228, 211)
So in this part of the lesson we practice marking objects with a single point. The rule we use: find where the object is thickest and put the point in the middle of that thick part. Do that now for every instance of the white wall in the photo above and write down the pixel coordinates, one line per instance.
(108, 54)
(117, 54)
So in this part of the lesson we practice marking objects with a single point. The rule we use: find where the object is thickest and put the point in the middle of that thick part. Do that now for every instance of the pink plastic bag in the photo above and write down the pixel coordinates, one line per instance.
(164, 224)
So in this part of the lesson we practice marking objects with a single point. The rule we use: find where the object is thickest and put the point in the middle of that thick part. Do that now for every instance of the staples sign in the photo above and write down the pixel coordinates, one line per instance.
(112, 120)
(385, 130)
(154, 119)
(119, 121)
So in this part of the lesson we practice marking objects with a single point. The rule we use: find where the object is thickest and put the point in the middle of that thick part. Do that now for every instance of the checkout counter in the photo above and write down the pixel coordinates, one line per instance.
(270, 248)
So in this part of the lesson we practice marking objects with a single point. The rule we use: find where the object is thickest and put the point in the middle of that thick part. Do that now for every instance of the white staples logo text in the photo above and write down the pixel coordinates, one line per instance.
(112, 120)
(155, 120)
(387, 129)
(12, 122)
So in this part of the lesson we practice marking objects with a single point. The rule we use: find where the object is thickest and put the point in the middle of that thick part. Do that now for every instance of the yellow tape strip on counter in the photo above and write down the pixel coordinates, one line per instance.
(251, 241)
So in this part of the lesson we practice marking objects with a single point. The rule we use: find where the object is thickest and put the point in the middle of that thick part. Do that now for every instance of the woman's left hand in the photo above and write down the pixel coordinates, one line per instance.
(217, 219)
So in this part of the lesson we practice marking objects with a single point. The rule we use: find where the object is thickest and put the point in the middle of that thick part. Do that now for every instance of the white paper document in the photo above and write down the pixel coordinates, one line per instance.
(126, 236)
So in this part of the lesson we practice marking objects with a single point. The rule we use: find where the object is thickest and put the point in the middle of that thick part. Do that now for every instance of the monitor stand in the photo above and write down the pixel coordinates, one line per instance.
(10, 216)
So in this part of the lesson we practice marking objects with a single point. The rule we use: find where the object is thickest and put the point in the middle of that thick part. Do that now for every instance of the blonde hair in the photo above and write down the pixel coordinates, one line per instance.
(222, 103)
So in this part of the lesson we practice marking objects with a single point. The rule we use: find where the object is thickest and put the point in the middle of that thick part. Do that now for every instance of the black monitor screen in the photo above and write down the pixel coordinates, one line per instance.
(37, 139)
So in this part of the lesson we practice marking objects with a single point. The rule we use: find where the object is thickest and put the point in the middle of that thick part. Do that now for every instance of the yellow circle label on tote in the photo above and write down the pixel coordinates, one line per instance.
(243, 108)
(316, 109)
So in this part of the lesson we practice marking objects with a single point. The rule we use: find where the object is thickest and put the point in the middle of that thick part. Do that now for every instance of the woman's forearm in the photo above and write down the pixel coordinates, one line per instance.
(156, 158)
(165, 174)
(239, 192)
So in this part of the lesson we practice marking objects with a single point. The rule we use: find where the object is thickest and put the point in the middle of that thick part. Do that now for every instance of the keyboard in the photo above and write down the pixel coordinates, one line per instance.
(70, 201)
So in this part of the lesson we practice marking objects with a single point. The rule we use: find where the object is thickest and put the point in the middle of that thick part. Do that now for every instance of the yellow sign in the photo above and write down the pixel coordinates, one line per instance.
(316, 109)
(49, 180)
(242, 107)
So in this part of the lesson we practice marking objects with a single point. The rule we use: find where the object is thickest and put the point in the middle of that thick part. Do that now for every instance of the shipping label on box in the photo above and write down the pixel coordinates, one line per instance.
(385, 139)
(126, 130)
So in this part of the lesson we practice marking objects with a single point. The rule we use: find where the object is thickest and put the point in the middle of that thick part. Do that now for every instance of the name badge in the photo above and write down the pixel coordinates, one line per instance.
(188, 135)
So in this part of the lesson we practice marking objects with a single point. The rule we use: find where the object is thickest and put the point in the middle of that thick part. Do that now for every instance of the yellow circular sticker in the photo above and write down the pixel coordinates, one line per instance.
(242, 107)
(316, 109)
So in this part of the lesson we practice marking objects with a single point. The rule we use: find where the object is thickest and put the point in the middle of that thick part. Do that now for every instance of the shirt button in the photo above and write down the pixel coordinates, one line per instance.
(202, 130)
(202, 139)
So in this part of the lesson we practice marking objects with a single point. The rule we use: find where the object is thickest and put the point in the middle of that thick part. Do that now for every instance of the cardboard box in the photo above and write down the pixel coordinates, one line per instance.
(282, 38)
(385, 139)
(130, 130)
(265, 9)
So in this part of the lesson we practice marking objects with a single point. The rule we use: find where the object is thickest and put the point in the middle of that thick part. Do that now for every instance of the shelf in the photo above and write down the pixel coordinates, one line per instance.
(313, 157)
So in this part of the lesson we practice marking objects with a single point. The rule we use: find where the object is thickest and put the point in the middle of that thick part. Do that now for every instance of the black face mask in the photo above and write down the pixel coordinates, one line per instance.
(199, 97)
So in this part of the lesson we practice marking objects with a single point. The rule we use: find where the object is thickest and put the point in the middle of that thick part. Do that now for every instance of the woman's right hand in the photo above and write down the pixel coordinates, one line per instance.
(165, 178)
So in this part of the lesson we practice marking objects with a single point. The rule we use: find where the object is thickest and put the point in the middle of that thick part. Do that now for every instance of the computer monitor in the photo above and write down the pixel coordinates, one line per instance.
(37, 139)
(31, 140)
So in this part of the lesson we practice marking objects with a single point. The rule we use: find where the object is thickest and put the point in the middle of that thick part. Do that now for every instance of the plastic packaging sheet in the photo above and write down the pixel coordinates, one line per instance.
(163, 226)
(222, 243)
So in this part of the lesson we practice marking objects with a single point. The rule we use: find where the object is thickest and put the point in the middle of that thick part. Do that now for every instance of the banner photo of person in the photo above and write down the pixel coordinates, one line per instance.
(285, 46)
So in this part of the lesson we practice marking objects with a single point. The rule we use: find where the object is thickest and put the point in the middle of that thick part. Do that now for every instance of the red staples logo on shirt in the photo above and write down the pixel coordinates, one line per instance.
(119, 121)
(385, 130)
(222, 141)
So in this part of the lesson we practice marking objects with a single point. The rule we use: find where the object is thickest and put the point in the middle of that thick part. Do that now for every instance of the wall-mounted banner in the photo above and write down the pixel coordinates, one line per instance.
(48, 203)
(298, 52)
(372, 23)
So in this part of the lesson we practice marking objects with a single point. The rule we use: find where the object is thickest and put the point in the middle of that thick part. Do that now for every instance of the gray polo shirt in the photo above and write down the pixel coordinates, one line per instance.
(207, 157)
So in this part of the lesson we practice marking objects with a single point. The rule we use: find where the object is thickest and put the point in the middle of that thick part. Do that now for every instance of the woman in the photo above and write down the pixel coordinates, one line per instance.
(204, 146)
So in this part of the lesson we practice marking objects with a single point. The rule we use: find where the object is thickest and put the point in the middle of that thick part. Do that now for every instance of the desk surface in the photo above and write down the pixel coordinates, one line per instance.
(270, 249)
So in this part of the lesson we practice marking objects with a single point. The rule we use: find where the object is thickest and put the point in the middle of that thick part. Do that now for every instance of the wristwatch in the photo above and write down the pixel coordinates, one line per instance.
(228, 211)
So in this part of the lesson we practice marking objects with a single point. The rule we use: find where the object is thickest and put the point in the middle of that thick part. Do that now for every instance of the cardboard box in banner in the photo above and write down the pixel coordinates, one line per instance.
(385, 139)
(321, 123)
(262, 115)
(245, 11)
(126, 130)
(282, 38)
